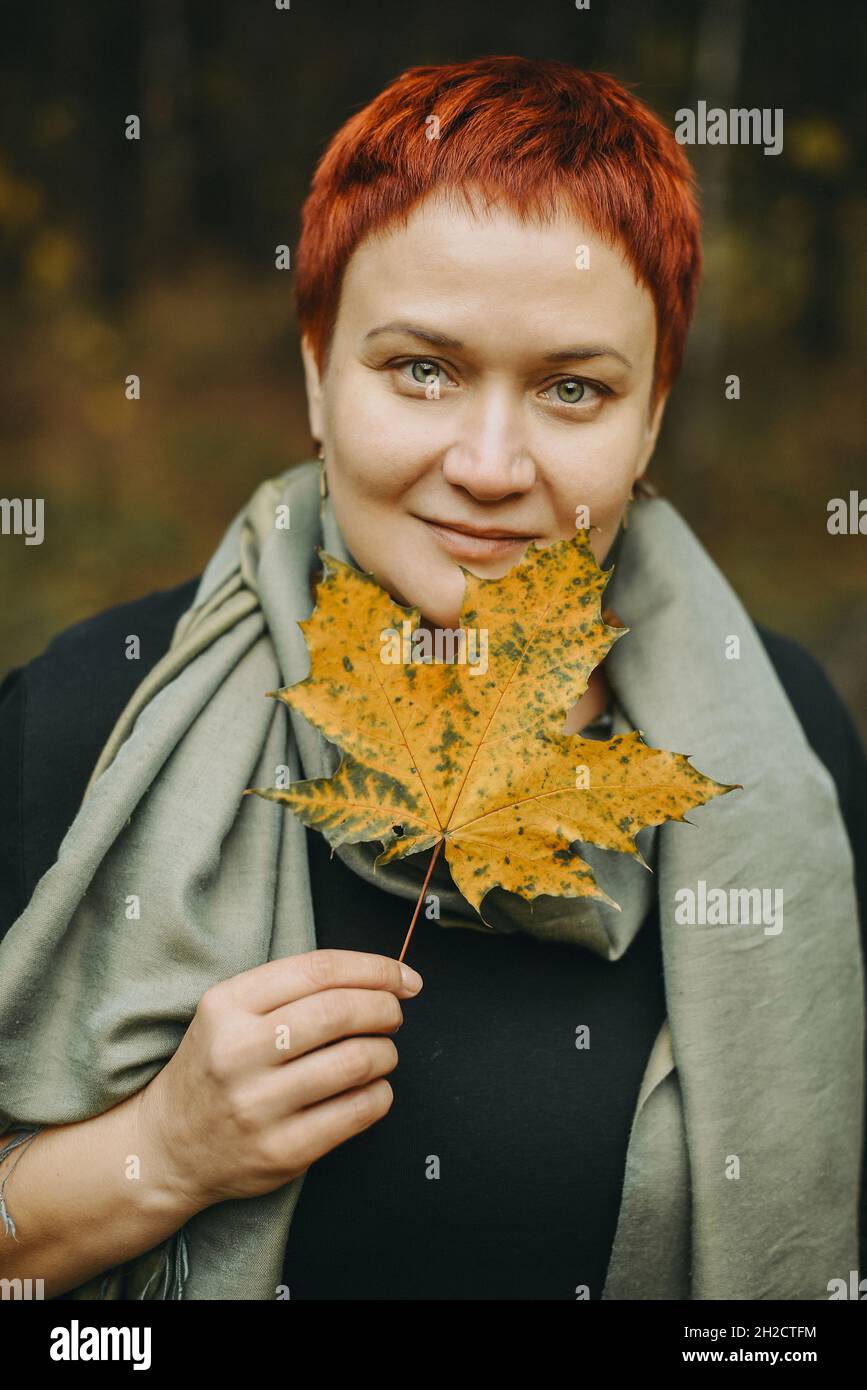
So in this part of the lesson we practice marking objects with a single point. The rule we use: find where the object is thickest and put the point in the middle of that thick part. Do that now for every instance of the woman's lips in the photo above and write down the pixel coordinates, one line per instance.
(465, 546)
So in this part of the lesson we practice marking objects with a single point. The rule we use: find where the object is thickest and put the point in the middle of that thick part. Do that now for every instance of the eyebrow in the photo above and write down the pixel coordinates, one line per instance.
(582, 353)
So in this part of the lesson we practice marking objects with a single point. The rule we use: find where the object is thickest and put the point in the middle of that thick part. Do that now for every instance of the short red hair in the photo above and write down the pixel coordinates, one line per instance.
(534, 132)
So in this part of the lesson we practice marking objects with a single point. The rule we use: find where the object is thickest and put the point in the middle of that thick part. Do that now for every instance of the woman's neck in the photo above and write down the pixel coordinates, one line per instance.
(594, 700)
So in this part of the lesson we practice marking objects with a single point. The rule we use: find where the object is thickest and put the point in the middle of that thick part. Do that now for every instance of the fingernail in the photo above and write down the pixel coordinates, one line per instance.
(411, 978)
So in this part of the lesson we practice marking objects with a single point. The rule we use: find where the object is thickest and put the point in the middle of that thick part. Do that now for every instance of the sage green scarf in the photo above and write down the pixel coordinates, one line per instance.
(743, 1165)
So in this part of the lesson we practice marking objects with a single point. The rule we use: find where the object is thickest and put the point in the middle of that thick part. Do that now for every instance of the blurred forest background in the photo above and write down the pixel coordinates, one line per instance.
(157, 257)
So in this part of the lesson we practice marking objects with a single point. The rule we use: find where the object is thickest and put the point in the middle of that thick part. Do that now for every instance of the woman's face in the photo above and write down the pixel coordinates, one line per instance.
(481, 387)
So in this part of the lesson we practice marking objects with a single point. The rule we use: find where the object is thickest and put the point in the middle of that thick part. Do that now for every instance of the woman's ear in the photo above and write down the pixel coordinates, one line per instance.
(313, 384)
(654, 421)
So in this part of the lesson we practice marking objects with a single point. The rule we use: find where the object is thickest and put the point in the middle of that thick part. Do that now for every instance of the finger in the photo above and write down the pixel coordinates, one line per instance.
(278, 982)
(322, 1018)
(316, 1131)
(341, 1066)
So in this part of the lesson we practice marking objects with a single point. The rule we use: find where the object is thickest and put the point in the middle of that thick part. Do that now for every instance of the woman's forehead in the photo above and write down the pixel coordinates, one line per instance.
(452, 236)
(475, 275)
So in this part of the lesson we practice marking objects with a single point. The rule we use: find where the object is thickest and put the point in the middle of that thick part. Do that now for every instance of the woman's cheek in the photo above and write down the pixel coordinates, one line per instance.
(371, 424)
(601, 472)
(373, 462)
(594, 497)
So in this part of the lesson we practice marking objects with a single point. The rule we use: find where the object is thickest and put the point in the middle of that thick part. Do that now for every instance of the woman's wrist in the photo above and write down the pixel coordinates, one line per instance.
(170, 1186)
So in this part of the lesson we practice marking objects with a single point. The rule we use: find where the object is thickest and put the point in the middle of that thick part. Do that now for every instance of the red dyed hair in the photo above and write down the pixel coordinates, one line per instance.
(533, 132)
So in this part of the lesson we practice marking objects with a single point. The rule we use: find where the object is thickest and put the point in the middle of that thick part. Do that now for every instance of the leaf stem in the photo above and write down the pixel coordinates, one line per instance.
(437, 847)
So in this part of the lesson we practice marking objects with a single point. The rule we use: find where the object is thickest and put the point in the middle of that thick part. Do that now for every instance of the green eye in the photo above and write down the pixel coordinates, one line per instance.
(428, 369)
(571, 391)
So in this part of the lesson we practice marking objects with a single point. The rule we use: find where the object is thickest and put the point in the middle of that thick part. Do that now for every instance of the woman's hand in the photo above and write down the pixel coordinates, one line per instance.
(279, 1065)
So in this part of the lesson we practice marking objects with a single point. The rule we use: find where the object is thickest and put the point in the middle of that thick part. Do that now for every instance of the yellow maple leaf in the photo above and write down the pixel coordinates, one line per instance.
(468, 753)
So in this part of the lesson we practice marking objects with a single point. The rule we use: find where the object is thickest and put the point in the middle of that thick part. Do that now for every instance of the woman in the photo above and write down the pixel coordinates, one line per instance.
(495, 278)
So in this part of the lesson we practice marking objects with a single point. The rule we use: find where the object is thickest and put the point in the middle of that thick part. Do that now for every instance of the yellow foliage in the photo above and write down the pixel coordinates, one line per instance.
(446, 751)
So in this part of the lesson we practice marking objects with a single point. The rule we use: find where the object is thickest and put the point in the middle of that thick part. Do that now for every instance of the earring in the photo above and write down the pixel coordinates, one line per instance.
(323, 477)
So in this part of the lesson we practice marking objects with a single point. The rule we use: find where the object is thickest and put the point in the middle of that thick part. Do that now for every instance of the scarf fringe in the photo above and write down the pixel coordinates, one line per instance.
(27, 1137)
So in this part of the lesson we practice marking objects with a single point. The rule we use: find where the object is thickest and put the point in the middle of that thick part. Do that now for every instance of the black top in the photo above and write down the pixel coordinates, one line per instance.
(497, 1172)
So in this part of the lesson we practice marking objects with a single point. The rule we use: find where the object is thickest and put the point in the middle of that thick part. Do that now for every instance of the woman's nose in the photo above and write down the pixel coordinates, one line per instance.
(490, 461)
